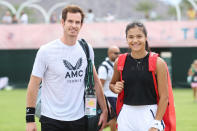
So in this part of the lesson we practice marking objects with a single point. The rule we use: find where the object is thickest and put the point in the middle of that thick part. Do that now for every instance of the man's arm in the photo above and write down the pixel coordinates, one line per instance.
(32, 92)
(101, 99)
(102, 81)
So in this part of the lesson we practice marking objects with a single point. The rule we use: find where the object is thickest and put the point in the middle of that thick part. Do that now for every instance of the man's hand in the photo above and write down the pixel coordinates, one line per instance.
(103, 120)
(153, 129)
(31, 126)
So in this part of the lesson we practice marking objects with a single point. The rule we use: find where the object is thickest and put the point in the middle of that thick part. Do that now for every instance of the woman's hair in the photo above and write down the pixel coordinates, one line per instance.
(139, 25)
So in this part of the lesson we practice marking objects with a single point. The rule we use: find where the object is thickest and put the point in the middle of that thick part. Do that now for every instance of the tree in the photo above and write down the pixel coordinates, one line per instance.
(172, 12)
(145, 7)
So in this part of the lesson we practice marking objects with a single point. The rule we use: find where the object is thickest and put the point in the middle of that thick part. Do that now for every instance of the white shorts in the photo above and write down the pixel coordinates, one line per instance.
(136, 118)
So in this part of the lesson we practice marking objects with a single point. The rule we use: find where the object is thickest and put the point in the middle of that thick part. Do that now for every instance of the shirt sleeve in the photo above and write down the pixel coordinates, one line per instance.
(102, 72)
(39, 66)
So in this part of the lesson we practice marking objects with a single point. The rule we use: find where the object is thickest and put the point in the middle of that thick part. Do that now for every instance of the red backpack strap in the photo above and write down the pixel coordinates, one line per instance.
(152, 67)
(170, 114)
(153, 61)
(121, 62)
(120, 67)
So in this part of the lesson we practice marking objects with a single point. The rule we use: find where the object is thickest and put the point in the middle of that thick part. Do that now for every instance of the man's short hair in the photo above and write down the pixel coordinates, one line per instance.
(72, 9)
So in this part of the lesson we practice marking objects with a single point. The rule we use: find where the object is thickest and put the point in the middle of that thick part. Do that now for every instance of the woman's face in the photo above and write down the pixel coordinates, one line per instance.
(136, 39)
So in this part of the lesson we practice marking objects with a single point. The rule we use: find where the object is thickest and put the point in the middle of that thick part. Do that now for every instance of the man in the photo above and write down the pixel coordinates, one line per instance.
(7, 18)
(61, 65)
(105, 72)
(24, 18)
(90, 16)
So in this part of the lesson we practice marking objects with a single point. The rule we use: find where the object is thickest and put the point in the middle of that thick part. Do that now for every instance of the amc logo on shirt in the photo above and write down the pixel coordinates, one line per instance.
(74, 70)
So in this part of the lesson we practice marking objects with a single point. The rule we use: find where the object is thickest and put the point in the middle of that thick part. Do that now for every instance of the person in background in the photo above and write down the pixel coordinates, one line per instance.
(53, 18)
(61, 66)
(14, 19)
(105, 72)
(90, 16)
(7, 18)
(192, 73)
(24, 18)
(191, 13)
(140, 110)
(3, 82)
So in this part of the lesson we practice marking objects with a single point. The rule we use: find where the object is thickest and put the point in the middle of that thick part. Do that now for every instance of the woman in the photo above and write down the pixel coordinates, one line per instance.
(140, 110)
(193, 74)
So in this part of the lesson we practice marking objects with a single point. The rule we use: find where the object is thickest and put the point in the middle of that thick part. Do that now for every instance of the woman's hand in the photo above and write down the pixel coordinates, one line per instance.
(118, 87)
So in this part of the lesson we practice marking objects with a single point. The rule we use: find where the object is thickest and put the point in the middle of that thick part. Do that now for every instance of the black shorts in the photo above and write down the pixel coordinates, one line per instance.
(112, 101)
(49, 124)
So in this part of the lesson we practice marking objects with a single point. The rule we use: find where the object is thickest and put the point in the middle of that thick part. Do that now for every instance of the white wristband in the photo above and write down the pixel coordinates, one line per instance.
(157, 124)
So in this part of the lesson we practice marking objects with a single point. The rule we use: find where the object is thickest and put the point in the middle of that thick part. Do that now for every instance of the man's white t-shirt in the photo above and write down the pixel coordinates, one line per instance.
(7, 19)
(24, 19)
(107, 76)
(62, 69)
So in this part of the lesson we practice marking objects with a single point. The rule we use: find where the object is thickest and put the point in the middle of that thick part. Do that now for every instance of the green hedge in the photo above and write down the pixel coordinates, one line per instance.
(17, 64)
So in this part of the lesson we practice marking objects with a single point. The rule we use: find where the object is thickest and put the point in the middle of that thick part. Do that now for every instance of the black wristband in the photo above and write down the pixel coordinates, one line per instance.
(30, 110)
(30, 114)
(30, 118)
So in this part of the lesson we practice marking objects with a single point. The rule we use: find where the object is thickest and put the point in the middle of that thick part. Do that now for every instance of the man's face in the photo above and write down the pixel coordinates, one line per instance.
(114, 53)
(72, 24)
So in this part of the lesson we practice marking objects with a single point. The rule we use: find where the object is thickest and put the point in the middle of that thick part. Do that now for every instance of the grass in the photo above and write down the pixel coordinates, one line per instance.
(12, 110)
(186, 110)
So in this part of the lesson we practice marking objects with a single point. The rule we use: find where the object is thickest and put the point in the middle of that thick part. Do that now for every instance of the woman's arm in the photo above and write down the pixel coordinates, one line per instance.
(116, 85)
(162, 82)
(190, 72)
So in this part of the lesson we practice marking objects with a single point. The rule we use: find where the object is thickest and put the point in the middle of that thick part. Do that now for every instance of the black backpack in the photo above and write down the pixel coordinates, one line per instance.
(106, 67)
(92, 121)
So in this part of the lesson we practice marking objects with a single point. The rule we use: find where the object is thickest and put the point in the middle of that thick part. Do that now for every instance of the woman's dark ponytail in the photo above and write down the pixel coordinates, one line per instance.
(147, 48)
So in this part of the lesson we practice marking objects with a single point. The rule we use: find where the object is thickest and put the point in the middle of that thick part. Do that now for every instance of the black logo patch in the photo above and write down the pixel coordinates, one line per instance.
(70, 67)
(74, 72)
